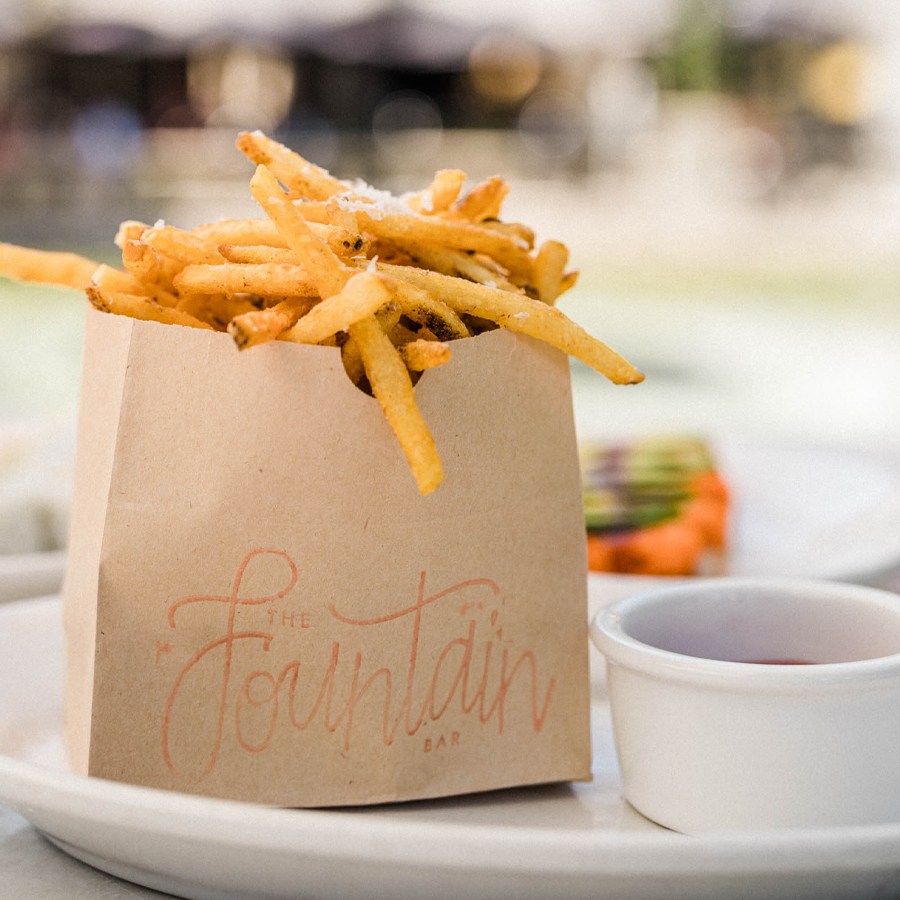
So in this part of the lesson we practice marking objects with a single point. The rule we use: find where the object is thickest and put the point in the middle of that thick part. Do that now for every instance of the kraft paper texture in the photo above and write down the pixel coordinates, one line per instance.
(260, 605)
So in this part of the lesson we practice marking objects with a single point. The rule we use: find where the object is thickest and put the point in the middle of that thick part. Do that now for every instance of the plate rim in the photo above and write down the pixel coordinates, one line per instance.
(326, 834)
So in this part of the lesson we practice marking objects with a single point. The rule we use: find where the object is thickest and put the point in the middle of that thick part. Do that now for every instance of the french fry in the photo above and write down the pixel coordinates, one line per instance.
(258, 254)
(440, 194)
(182, 246)
(549, 268)
(266, 280)
(326, 270)
(385, 251)
(482, 202)
(258, 326)
(419, 355)
(342, 241)
(297, 174)
(218, 309)
(352, 360)
(363, 295)
(108, 278)
(392, 388)
(129, 230)
(338, 212)
(138, 307)
(389, 315)
(254, 232)
(568, 282)
(147, 264)
(434, 314)
(524, 315)
(400, 334)
(522, 233)
(46, 266)
(459, 235)
(263, 233)
(478, 268)
(119, 282)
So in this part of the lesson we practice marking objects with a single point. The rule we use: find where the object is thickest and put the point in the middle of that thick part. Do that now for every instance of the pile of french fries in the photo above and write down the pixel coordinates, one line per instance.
(390, 281)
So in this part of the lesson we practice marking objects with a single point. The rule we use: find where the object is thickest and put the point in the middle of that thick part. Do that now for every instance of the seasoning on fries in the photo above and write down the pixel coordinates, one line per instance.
(389, 280)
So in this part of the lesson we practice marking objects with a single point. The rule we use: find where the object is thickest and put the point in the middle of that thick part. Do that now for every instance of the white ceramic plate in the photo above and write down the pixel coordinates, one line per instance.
(807, 510)
(563, 841)
(801, 510)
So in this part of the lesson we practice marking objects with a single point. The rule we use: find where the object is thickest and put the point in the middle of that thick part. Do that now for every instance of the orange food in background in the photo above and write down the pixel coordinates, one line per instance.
(655, 507)
(707, 510)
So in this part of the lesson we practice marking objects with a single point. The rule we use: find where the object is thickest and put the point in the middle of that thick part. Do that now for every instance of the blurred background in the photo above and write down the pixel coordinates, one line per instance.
(725, 172)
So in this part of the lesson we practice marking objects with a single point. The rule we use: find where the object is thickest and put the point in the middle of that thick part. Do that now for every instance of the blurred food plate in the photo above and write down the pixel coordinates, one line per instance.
(797, 509)
(655, 506)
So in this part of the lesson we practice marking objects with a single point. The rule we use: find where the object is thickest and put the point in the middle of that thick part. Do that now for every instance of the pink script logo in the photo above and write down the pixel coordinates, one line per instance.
(474, 669)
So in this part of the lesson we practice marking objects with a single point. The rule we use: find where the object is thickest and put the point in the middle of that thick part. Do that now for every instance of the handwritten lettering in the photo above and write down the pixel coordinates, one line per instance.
(289, 618)
(471, 670)
(442, 742)
(161, 647)
(226, 643)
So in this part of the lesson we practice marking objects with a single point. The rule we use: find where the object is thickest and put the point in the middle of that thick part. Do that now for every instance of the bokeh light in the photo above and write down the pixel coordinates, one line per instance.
(554, 126)
(243, 84)
(408, 128)
(504, 68)
(107, 138)
(835, 81)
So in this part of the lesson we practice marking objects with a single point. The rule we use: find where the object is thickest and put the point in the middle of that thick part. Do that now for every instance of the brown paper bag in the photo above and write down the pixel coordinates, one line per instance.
(259, 605)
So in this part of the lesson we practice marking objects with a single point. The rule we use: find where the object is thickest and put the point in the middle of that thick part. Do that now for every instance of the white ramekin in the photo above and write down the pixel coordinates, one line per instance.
(709, 740)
